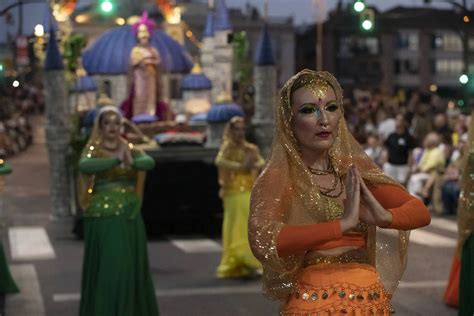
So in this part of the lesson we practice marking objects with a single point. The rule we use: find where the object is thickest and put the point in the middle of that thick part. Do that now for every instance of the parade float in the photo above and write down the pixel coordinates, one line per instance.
(176, 107)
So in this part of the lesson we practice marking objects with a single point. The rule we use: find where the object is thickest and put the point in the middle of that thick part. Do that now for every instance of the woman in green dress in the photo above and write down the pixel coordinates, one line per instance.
(7, 284)
(116, 278)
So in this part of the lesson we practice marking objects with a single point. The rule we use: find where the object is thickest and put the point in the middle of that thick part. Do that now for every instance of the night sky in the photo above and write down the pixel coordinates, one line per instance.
(303, 11)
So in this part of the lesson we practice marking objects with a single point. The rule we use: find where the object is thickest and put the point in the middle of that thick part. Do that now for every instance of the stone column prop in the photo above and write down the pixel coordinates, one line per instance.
(265, 81)
(57, 130)
(207, 51)
(223, 51)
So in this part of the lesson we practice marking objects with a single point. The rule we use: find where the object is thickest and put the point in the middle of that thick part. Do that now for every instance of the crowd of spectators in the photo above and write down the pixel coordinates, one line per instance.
(417, 140)
(17, 104)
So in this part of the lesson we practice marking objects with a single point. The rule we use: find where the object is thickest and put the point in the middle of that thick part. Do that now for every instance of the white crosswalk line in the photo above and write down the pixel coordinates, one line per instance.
(423, 284)
(429, 239)
(29, 301)
(197, 245)
(30, 243)
(194, 291)
(445, 224)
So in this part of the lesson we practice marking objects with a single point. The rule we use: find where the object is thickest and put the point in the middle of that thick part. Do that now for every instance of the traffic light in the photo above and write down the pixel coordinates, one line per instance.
(106, 6)
(359, 6)
(367, 19)
(1, 67)
(463, 79)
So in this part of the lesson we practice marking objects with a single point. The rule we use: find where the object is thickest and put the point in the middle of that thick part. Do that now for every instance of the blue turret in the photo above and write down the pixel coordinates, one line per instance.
(53, 60)
(222, 21)
(209, 27)
(264, 53)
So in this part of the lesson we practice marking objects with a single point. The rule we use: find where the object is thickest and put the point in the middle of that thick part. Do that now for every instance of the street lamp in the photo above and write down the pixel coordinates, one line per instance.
(39, 30)
(367, 19)
(16, 84)
(359, 6)
(106, 6)
(120, 21)
(367, 25)
(463, 79)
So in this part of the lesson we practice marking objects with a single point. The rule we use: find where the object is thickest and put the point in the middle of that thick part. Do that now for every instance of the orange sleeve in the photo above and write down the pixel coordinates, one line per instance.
(408, 212)
(294, 239)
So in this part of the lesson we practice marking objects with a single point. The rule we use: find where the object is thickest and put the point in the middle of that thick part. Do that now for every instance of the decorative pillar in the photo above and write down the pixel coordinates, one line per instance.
(265, 81)
(57, 130)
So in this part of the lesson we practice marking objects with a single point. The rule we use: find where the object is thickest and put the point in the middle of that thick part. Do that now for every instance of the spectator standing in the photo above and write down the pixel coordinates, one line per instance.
(399, 145)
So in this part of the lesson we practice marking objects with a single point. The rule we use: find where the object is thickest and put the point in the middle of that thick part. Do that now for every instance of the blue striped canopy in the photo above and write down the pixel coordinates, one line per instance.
(200, 117)
(196, 82)
(84, 84)
(144, 118)
(224, 112)
(110, 54)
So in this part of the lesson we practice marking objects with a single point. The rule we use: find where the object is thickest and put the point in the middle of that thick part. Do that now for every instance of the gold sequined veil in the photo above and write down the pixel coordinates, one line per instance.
(92, 149)
(466, 207)
(228, 150)
(285, 193)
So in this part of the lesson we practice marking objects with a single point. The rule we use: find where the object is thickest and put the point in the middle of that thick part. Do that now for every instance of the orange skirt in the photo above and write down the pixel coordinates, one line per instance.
(451, 295)
(338, 289)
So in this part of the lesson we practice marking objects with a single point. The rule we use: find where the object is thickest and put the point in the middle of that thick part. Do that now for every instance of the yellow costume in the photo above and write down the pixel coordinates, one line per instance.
(236, 183)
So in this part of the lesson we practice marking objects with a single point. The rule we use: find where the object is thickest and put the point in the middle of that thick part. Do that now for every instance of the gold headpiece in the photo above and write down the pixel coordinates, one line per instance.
(104, 100)
(223, 97)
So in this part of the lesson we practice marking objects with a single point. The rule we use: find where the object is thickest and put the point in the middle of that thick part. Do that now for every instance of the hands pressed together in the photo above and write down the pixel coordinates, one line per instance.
(124, 153)
(358, 194)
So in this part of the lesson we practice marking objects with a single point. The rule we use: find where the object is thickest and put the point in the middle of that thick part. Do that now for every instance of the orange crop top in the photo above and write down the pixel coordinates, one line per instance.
(407, 211)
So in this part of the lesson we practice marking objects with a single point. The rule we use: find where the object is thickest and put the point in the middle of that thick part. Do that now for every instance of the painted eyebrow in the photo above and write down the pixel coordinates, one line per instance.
(314, 104)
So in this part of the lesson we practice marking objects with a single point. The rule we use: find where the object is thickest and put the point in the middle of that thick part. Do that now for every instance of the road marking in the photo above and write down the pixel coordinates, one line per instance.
(197, 291)
(423, 284)
(445, 224)
(197, 245)
(228, 290)
(29, 301)
(30, 243)
(431, 239)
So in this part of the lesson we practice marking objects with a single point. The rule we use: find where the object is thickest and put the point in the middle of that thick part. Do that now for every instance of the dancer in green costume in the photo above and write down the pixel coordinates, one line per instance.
(116, 279)
(7, 284)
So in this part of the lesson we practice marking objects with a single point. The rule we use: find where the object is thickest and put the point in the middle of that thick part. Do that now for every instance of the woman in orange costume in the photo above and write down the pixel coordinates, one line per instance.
(318, 209)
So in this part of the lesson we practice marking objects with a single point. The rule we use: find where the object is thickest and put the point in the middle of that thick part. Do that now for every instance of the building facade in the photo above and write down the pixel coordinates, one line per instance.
(409, 48)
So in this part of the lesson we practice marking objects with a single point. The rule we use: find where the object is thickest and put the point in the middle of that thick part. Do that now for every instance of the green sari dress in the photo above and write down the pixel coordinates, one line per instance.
(116, 278)
(7, 284)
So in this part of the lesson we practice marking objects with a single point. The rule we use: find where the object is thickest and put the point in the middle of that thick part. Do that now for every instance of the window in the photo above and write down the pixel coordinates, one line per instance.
(345, 46)
(448, 41)
(406, 66)
(471, 44)
(407, 40)
(449, 66)
(368, 45)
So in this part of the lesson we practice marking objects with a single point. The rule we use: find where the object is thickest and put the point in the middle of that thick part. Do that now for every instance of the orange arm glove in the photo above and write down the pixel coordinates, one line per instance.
(408, 212)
